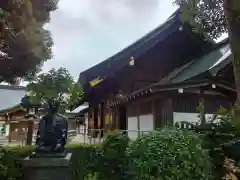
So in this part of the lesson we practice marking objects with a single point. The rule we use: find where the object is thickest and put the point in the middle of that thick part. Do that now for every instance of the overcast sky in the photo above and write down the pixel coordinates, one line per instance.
(86, 32)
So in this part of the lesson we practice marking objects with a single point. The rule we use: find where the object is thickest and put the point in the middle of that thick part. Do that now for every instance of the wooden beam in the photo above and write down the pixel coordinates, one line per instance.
(162, 88)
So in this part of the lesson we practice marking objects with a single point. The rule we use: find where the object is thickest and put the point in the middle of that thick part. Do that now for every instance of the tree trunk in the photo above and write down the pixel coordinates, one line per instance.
(233, 19)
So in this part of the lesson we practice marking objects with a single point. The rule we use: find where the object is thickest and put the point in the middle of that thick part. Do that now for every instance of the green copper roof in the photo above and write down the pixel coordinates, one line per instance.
(211, 62)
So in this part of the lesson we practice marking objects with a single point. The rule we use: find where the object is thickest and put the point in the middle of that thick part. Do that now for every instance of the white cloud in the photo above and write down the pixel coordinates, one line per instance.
(88, 31)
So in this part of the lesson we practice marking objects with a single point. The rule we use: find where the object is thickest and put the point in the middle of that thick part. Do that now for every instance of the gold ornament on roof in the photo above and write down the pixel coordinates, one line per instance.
(131, 63)
(96, 81)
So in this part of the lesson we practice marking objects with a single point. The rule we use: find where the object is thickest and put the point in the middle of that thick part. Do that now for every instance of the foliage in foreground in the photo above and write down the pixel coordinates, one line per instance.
(83, 164)
(221, 136)
(11, 162)
(169, 154)
(85, 160)
(113, 159)
(24, 41)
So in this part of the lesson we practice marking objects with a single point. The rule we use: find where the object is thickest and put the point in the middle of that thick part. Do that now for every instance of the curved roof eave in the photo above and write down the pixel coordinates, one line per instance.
(135, 50)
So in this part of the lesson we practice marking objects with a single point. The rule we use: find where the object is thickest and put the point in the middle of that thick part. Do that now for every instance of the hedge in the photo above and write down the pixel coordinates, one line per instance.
(11, 162)
(88, 161)
(169, 154)
(84, 161)
(83, 164)
(115, 157)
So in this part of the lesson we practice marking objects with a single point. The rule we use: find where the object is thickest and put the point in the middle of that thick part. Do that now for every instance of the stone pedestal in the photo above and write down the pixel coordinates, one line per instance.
(47, 168)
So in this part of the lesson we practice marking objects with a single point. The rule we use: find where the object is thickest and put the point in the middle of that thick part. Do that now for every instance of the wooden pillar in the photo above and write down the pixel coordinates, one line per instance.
(202, 107)
(95, 112)
(122, 117)
(102, 117)
(114, 118)
(167, 112)
(110, 118)
(7, 122)
(30, 125)
(106, 117)
(117, 119)
(90, 121)
(158, 103)
(99, 124)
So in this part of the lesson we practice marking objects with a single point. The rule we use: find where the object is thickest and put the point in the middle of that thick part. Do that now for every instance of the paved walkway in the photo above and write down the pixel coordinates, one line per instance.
(11, 144)
(80, 138)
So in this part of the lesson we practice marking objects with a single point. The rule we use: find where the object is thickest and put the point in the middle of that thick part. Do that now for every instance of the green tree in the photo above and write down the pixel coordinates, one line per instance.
(23, 40)
(213, 18)
(57, 85)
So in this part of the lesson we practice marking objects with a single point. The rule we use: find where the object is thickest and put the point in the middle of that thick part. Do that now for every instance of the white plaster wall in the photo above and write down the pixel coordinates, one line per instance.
(146, 123)
(189, 117)
(132, 127)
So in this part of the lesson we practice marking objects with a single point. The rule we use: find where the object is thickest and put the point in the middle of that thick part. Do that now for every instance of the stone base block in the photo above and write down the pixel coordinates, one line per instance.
(47, 168)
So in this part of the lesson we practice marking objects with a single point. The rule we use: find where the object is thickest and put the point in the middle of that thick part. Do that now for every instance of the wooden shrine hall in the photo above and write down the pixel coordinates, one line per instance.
(146, 85)
(15, 120)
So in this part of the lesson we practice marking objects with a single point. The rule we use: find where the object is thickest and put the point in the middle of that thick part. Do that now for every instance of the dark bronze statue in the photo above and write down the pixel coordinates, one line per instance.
(52, 133)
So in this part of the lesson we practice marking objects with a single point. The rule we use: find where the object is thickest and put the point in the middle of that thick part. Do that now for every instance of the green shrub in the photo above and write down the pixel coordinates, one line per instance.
(84, 161)
(113, 162)
(221, 136)
(216, 139)
(169, 154)
(11, 162)
(82, 165)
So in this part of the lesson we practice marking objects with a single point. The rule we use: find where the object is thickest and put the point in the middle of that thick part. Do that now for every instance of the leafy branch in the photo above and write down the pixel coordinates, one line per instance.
(57, 85)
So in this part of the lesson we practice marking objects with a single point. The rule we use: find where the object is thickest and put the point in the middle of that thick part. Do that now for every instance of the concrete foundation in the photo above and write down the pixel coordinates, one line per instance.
(47, 168)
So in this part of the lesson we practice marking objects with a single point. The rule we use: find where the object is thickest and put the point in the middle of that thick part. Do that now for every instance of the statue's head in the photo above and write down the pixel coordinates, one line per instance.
(53, 106)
